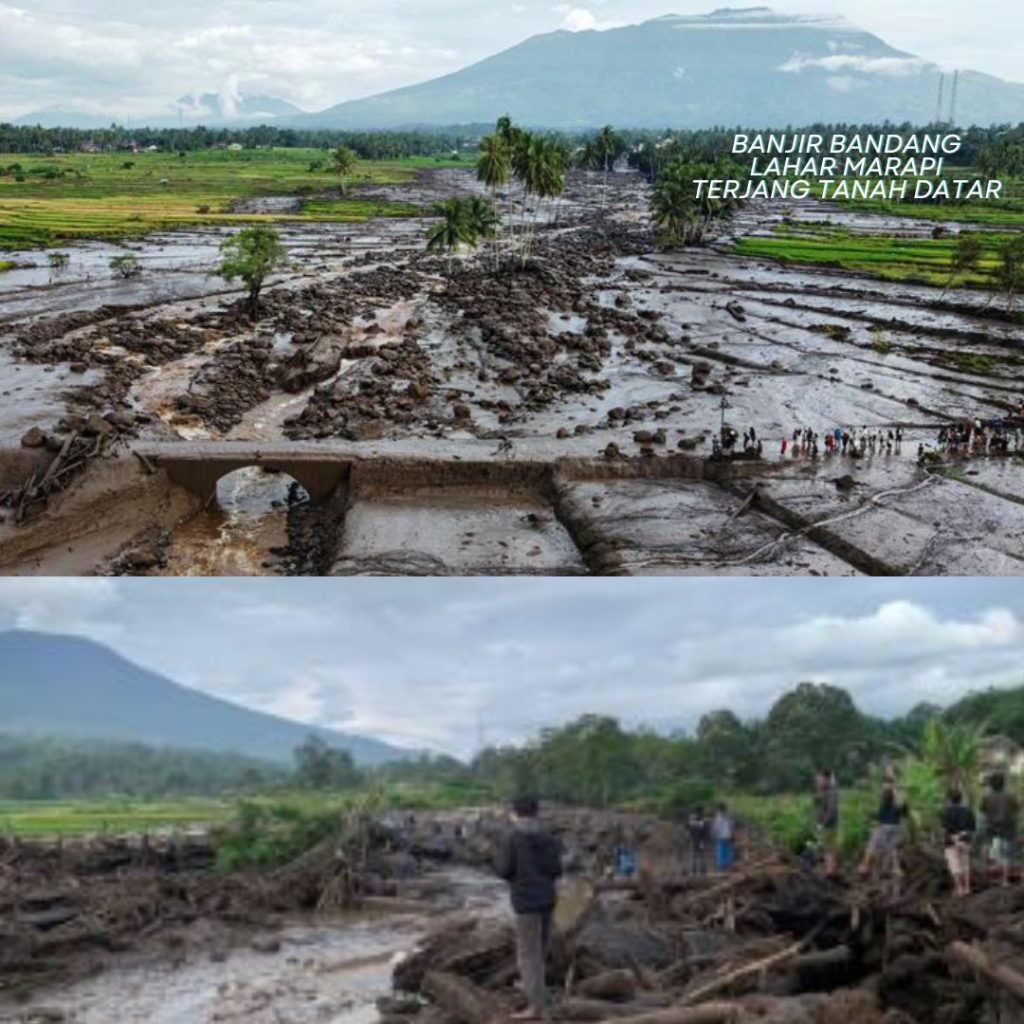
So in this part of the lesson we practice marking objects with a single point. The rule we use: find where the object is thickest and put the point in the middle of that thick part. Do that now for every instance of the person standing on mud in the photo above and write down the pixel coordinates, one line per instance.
(1001, 810)
(959, 826)
(530, 860)
(883, 848)
(722, 833)
(699, 832)
(826, 818)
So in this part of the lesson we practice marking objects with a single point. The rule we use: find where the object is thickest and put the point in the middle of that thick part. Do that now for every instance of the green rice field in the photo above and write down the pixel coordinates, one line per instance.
(50, 200)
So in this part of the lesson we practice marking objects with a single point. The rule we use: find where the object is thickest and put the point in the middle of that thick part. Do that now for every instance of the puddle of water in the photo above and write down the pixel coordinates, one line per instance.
(30, 394)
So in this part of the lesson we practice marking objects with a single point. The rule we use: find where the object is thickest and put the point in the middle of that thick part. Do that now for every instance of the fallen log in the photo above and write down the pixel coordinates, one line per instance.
(978, 960)
(615, 985)
(465, 1001)
(776, 960)
(709, 1013)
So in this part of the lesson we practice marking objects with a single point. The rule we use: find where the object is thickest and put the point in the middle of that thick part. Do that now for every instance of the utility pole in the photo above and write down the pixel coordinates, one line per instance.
(952, 99)
(938, 105)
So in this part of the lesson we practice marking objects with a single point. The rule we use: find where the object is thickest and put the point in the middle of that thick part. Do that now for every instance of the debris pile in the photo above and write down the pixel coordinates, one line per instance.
(64, 906)
(773, 943)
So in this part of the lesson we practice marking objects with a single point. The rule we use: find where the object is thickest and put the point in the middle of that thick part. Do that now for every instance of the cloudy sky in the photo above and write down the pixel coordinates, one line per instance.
(448, 664)
(138, 59)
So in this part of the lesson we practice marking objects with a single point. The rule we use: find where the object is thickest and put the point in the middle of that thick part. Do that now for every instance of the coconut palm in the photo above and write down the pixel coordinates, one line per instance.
(482, 218)
(608, 147)
(493, 168)
(540, 166)
(493, 165)
(452, 230)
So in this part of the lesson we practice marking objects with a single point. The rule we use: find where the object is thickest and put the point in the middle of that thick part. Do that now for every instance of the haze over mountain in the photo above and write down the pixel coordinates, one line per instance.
(214, 110)
(747, 66)
(69, 686)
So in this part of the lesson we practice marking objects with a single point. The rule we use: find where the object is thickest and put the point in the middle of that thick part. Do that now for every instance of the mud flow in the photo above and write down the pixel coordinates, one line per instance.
(416, 929)
(485, 416)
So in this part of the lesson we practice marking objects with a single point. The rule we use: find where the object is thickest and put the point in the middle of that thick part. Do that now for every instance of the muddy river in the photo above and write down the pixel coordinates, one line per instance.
(330, 972)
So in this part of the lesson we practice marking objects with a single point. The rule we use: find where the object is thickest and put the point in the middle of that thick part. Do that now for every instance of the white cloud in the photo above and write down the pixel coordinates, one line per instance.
(895, 67)
(446, 663)
(57, 604)
(579, 19)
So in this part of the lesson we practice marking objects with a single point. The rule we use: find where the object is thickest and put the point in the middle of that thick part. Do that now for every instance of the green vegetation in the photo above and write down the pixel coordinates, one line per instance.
(676, 208)
(765, 769)
(343, 163)
(39, 768)
(923, 260)
(126, 266)
(251, 256)
(110, 815)
(82, 195)
(461, 222)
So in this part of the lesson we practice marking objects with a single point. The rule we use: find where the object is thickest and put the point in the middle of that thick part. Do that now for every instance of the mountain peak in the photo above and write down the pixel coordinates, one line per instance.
(61, 685)
(749, 66)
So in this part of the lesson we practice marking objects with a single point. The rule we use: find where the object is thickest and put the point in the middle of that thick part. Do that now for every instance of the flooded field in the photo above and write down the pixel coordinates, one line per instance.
(588, 388)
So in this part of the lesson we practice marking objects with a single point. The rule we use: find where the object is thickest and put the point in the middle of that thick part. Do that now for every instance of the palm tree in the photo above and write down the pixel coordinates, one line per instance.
(608, 146)
(343, 163)
(954, 749)
(493, 168)
(481, 217)
(463, 221)
(540, 166)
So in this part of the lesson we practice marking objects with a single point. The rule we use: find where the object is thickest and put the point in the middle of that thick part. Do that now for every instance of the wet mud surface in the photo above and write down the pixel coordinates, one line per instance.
(603, 352)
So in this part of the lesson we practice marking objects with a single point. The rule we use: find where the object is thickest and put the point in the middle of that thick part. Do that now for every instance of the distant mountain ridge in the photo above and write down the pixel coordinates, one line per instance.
(69, 686)
(209, 109)
(749, 67)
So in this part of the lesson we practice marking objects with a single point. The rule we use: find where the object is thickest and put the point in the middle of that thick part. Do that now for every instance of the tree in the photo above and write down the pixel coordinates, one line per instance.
(125, 266)
(343, 163)
(608, 148)
(320, 766)
(811, 727)
(453, 230)
(726, 746)
(493, 164)
(493, 168)
(539, 164)
(964, 258)
(953, 750)
(250, 256)
(676, 207)
(1009, 272)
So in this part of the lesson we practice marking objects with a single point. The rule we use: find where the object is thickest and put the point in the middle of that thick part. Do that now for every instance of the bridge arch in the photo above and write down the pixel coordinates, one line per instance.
(198, 475)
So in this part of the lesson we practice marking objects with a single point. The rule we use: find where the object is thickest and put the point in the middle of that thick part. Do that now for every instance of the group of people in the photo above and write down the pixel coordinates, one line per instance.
(982, 437)
(530, 858)
(1000, 811)
(855, 443)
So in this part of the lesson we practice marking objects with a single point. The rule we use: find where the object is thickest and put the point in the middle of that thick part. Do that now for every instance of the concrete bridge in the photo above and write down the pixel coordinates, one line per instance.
(321, 467)
(197, 466)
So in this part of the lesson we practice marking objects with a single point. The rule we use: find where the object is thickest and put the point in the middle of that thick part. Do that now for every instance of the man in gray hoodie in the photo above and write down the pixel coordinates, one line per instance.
(530, 860)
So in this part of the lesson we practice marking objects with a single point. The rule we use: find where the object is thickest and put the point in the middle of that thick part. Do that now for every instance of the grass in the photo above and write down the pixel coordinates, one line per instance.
(45, 819)
(47, 201)
(917, 260)
(994, 212)
(42, 819)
